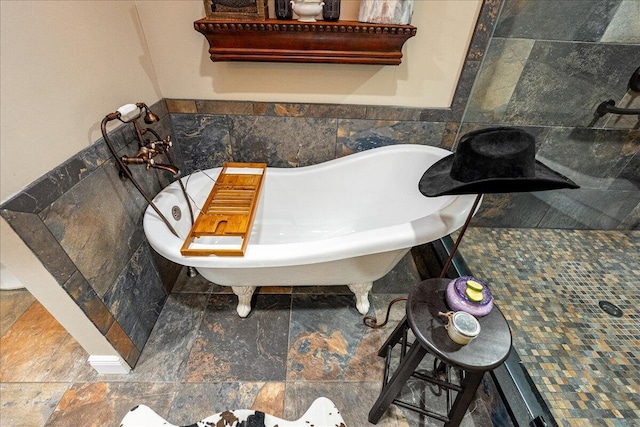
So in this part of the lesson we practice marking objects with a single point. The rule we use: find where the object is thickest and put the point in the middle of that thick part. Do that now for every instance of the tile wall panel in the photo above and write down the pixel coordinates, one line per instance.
(283, 141)
(85, 225)
(42, 243)
(563, 83)
(547, 68)
(208, 137)
(361, 135)
(577, 20)
(87, 228)
(137, 296)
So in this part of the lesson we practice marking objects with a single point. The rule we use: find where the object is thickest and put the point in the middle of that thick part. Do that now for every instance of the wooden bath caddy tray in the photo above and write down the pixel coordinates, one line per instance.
(224, 223)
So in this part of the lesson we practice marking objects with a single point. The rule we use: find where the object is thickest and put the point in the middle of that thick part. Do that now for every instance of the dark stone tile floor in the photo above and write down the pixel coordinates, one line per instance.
(301, 343)
(201, 358)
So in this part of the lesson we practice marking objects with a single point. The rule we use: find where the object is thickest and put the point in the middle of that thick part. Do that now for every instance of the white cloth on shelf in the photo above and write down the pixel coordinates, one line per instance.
(386, 11)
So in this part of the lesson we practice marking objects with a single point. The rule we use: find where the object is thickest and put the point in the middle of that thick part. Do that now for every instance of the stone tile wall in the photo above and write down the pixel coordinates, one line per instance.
(85, 225)
(549, 65)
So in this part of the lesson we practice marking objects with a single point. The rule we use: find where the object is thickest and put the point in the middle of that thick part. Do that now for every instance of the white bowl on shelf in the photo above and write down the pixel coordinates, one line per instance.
(307, 10)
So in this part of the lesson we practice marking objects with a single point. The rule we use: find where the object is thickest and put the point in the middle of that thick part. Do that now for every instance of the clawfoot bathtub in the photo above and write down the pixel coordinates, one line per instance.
(346, 221)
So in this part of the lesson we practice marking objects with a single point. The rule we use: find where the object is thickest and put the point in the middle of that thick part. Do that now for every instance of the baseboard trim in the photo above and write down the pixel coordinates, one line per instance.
(109, 365)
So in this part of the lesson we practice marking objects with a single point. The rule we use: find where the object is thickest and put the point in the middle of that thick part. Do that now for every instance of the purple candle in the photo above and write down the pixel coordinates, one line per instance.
(458, 296)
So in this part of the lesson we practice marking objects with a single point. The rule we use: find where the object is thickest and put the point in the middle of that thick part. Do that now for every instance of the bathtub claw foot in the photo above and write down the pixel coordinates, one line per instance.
(361, 290)
(244, 294)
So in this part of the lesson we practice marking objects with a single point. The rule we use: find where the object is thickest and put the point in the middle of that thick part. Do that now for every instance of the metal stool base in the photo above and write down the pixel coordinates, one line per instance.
(411, 354)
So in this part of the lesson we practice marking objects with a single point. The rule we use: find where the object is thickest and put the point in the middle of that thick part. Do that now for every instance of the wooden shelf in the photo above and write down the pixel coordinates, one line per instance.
(341, 42)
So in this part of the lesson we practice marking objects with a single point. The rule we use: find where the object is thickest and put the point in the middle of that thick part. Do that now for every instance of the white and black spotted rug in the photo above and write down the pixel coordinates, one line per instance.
(321, 413)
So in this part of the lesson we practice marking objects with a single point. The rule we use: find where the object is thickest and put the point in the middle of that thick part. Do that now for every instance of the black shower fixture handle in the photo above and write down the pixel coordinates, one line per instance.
(634, 81)
(609, 106)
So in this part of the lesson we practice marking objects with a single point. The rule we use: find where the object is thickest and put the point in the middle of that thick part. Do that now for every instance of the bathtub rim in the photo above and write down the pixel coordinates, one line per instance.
(406, 235)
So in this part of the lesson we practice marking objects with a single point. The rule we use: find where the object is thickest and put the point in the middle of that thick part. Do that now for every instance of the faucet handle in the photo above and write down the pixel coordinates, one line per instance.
(161, 146)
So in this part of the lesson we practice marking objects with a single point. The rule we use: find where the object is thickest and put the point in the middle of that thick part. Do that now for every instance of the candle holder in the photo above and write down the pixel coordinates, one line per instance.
(331, 10)
(283, 9)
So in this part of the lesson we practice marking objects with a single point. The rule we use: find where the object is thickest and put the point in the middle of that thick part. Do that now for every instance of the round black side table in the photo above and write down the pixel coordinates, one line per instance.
(485, 353)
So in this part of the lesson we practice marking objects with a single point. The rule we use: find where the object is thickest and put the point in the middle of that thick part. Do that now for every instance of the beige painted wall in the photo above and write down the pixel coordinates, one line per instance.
(426, 78)
(64, 66)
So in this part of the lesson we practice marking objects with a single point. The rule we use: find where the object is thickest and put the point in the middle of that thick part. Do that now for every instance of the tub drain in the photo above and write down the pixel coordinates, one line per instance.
(610, 308)
(176, 213)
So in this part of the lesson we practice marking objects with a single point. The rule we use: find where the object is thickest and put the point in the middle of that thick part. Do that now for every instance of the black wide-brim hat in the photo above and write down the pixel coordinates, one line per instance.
(493, 160)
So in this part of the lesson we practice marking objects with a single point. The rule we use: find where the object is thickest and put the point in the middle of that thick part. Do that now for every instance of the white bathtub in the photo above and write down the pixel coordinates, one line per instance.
(347, 221)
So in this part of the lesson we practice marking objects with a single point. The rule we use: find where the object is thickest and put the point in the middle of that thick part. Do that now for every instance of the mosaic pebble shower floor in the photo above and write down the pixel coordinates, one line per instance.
(585, 362)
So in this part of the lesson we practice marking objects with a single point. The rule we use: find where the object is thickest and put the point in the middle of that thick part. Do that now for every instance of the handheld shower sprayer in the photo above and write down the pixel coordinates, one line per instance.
(147, 149)
(130, 113)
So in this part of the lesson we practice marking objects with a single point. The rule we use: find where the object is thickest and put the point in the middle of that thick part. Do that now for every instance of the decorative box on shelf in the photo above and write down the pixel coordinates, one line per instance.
(340, 42)
(236, 9)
